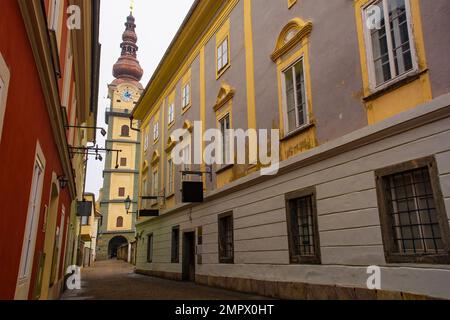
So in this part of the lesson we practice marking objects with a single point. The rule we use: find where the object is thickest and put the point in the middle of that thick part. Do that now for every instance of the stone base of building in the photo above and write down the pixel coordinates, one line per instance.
(303, 291)
(104, 240)
(289, 290)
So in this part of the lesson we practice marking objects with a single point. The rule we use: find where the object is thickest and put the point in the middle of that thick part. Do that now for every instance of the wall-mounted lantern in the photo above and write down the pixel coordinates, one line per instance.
(63, 182)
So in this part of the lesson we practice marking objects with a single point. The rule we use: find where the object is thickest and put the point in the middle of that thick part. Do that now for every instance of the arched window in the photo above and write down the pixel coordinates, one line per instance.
(125, 131)
(119, 223)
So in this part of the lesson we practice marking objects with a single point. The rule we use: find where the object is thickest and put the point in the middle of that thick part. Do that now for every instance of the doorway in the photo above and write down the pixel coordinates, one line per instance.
(189, 256)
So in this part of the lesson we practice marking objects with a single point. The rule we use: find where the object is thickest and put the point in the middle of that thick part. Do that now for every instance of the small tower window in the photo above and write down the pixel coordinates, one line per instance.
(119, 222)
(125, 131)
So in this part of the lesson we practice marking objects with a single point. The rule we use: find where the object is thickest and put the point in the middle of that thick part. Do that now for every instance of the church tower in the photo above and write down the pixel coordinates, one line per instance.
(121, 172)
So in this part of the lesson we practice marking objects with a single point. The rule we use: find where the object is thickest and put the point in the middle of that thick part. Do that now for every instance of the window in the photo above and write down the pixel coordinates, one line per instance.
(55, 14)
(226, 238)
(412, 213)
(84, 221)
(186, 97)
(170, 178)
(186, 157)
(156, 131)
(144, 191)
(2, 106)
(390, 52)
(225, 126)
(125, 131)
(295, 95)
(171, 113)
(4, 84)
(119, 222)
(150, 248)
(200, 236)
(200, 244)
(121, 192)
(175, 245)
(123, 162)
(304, 246)
(32, 220)
(155, 184)
(146, 134)
(222, 55)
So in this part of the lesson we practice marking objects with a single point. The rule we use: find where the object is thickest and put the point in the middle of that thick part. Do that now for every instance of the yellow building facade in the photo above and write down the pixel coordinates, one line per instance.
(358, 93)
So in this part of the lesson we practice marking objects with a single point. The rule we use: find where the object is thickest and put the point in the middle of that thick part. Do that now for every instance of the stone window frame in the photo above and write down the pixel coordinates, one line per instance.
(374, 87)
(386, 226)
(125, 131)
(175, 246)
(299, 259)
(150, 239)
(119, 222)
(221, 238)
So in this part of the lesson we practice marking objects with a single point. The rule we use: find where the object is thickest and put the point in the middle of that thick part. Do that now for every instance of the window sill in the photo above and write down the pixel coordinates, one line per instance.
(442, 259)
(224, 168)
(394, 84)
(222, 71)
(297, 131)
(185, 109)
(226, 261)
(171, 195)
(305, 261)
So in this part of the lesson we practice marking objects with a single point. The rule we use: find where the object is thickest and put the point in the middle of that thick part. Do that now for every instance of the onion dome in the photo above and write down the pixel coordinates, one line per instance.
(128, 67)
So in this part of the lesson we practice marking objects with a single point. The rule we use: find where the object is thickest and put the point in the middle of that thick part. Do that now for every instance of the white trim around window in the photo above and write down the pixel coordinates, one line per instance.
(171, 113)
(156, 131)
(5, 76)
(186, 96)
(31, 226)
(295, 112)
(393, 72)
(54, 19)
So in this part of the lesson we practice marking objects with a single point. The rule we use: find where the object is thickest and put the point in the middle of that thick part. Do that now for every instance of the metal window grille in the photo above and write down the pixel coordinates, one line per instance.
(176, 245)
(413, 214)
(303, 226)
(226, 247)
(150, 248)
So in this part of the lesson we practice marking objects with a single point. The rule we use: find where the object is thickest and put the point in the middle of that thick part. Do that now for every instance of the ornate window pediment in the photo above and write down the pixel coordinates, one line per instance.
(155, 157)
(145, 166)
(171, 143)
(292, 34)
(226, 93)
(187, 125)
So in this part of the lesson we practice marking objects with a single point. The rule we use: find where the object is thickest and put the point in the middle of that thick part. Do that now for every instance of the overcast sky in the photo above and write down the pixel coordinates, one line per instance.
(157, 23)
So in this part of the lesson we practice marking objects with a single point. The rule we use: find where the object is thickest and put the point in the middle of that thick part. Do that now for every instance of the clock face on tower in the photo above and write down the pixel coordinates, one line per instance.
(127, 95)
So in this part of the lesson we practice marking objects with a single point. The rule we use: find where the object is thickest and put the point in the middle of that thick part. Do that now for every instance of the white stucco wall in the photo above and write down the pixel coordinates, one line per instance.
(348, 218)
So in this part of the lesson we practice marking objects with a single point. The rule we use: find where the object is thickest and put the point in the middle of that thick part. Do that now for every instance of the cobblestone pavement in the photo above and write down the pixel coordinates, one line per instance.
(116, 280)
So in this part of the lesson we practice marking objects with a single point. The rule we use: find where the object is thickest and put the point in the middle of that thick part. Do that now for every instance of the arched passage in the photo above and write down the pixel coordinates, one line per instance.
(114, 244)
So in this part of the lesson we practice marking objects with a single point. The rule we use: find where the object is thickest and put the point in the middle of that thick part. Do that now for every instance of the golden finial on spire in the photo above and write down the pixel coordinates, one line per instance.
(132, 6)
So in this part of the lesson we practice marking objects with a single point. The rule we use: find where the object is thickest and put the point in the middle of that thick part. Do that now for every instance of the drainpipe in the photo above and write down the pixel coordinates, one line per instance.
(131, 125)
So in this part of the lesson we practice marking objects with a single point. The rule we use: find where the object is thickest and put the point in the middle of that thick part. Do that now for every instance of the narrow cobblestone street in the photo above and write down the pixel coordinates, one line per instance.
(114, 280)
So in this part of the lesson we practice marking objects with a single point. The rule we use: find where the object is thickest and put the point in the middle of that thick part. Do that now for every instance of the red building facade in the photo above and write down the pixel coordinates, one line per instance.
(48, 85)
